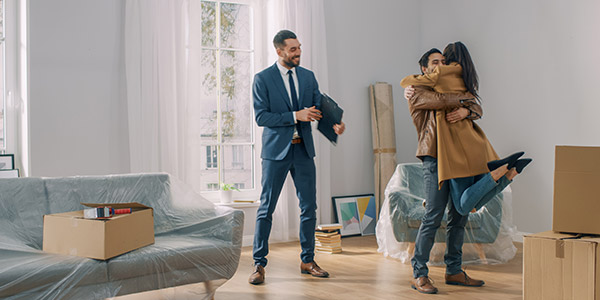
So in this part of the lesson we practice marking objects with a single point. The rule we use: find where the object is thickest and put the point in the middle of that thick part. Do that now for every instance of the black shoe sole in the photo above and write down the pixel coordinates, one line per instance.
(415, 288)
(462, 284)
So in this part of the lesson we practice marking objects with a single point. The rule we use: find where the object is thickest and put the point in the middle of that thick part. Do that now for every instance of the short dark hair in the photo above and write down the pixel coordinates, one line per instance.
(425, 58)
(281, 36)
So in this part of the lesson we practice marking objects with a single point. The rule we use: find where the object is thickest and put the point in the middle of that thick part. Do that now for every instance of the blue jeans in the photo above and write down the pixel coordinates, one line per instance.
(474, 192)
(436, 202)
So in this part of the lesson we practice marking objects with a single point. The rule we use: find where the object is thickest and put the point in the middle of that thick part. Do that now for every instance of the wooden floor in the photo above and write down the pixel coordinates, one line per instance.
(360, 272)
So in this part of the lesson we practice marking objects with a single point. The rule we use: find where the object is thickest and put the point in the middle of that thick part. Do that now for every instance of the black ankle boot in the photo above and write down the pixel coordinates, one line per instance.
(510, 160)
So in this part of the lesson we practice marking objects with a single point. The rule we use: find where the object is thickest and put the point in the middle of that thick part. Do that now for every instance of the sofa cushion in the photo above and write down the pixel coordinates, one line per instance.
(66, 193)
(38, 271)
(174, 252)
(22, 207)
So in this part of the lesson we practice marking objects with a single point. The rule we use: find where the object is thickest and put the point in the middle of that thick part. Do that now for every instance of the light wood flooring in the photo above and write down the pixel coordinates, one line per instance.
(359, 272)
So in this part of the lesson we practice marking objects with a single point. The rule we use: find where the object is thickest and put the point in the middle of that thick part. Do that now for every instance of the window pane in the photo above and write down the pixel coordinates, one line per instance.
(235, 26)
(209, 173)
(2, 102)
(209, 23)
(236, 96)
(208, 100)
(238, 165)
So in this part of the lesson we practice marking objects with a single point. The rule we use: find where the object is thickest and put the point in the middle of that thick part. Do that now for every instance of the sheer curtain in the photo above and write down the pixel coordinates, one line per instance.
(162, 46)
(162, 54)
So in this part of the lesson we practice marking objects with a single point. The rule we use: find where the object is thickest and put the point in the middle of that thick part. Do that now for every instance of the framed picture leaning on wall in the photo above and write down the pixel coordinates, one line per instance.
(356, 213)
(7, 161)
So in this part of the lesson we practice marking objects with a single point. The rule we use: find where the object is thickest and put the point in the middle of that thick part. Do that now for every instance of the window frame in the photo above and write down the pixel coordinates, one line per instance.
(255, 19)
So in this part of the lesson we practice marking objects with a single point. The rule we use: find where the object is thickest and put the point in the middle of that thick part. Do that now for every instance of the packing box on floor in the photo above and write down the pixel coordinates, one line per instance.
(69, 233)
(576, 193)
(561, 266)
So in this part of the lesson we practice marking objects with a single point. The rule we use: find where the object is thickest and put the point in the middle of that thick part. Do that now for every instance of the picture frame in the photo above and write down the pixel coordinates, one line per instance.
(12, 173)
(356, 213)
(367, 214)
(7, 161)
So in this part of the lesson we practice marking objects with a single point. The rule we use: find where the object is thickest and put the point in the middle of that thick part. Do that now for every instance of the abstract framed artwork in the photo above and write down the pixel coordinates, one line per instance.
(346, 213)
(367, 214)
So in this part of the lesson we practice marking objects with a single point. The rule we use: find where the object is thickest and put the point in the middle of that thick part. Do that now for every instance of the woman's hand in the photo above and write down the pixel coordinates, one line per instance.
(457, 115)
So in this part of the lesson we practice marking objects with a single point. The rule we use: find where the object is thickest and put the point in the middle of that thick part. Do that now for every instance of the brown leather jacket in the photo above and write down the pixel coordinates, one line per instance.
(422, 106)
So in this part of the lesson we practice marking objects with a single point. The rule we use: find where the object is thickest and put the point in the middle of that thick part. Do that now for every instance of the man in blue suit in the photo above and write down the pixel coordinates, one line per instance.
(286, 99)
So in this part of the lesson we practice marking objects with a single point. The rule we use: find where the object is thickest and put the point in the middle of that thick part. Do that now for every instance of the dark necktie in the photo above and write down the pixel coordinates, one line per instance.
(293, 91)
(295, 105)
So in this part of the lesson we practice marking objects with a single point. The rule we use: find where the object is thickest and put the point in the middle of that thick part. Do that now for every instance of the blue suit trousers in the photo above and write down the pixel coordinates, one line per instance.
(274, 172)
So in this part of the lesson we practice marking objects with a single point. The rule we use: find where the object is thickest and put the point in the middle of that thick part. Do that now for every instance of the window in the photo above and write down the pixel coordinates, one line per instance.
(212, 186)
(227, 68)
(239, 185)
(2, 82)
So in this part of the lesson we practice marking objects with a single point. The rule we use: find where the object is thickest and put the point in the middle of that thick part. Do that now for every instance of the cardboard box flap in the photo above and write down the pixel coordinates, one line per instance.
(117, 205)
(577, 159)
(552, 235)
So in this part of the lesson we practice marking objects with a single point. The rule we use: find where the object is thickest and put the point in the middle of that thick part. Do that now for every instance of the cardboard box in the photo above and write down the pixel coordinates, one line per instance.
(560, 266)
(576, 197)
(69, 233)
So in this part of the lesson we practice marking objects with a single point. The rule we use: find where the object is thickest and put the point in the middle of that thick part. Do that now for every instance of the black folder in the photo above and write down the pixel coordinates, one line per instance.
(332, 114)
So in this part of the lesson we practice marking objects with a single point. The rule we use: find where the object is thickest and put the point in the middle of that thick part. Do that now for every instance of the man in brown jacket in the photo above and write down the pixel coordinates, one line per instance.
(422, 104)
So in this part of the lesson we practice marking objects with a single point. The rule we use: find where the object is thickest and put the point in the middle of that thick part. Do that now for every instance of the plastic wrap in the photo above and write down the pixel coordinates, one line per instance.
(195, 241)
(488, 234)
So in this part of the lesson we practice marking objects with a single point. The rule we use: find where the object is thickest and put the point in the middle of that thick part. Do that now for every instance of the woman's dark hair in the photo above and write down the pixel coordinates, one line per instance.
(424, 61)
(457, 52)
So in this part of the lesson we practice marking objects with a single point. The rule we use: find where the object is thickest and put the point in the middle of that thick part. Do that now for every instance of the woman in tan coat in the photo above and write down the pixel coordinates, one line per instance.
(466, 159)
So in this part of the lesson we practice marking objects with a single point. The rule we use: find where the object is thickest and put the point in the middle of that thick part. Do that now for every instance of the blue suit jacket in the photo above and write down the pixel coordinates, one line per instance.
(273, 110)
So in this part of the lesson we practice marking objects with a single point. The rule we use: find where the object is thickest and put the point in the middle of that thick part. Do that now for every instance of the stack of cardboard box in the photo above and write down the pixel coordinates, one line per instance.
(565, 263)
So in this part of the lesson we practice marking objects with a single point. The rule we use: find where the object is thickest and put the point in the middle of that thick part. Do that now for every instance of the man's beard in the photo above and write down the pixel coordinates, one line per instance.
(290, 63)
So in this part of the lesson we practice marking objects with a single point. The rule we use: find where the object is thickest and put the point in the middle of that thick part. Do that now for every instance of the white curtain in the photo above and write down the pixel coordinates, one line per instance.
(162, 44)
(162, 50)
(306, 19)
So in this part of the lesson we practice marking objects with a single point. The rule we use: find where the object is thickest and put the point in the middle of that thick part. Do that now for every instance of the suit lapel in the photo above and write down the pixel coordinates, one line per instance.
(276, 77)
(301, 86)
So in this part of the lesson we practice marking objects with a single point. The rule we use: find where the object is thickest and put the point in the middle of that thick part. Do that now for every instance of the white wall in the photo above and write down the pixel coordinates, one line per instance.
(537, 68)
(78, 117)
(536, 61)
(368, 42)
(538, 74)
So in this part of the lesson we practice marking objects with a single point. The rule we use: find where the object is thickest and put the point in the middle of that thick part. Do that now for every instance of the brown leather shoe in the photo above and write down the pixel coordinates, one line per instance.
(424, 285)
(313, 269)
(463, 279)
(258, 276)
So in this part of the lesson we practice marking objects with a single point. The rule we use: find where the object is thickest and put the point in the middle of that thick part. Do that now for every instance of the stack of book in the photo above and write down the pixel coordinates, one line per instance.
(328, 238)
